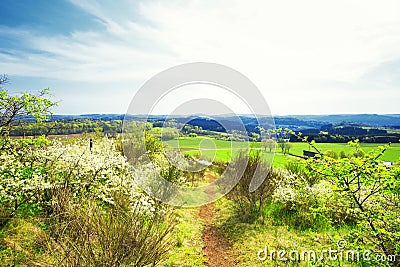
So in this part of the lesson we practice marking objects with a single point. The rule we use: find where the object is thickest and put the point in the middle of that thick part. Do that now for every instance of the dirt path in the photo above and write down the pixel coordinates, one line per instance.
(217, 249)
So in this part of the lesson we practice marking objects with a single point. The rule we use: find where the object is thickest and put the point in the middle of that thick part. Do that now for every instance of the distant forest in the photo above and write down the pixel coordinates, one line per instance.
(65, 127)
(320, 131)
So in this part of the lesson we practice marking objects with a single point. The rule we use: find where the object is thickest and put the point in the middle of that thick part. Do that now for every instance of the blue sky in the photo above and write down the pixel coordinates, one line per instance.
(306, 57)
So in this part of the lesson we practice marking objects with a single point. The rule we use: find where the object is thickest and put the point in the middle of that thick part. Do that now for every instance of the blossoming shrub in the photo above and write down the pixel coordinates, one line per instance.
(92, 199)
(304, 204)
(22, 179)
(98, 172)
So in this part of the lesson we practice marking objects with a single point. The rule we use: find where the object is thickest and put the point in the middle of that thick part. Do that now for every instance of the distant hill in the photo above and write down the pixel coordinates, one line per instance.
(367, 119)
(294, 121)
(88, 116)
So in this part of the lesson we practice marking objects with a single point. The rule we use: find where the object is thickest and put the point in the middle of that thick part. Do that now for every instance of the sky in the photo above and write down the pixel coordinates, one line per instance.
(306, 57)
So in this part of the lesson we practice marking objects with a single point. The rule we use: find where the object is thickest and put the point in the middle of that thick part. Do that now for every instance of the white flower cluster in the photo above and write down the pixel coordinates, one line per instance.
(100, 172)
(20, 180)
(297, 193)
(286, 191)
(294, 190)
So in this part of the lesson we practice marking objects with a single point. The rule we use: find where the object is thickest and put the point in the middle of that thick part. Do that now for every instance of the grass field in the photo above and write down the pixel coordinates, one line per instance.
(224, 150)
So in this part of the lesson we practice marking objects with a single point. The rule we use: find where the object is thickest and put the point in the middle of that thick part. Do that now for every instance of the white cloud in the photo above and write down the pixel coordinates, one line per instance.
(218, 100)
(290, 49)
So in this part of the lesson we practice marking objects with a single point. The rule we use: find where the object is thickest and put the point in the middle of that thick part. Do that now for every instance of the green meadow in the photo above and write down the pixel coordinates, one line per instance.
(214, 149)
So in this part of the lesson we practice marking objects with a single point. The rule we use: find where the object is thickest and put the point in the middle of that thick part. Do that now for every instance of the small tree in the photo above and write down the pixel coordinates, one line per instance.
(16, 107)
(282, 146)
(269, 143)
(287, 147)
(373, 189)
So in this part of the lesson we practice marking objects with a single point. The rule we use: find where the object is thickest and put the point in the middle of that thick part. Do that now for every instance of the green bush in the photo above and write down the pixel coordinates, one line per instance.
(249, 204)
(331, 154)
(87, 233)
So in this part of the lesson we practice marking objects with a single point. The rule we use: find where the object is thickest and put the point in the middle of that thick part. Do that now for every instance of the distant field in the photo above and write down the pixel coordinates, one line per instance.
(224, 150)
(209, 147)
